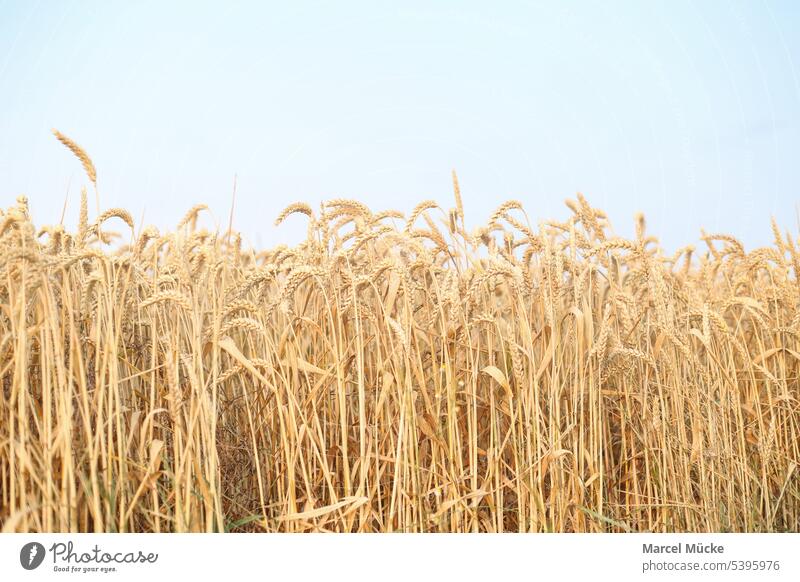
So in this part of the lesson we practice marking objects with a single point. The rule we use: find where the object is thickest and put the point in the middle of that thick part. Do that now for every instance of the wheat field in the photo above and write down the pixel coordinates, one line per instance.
(395, 374)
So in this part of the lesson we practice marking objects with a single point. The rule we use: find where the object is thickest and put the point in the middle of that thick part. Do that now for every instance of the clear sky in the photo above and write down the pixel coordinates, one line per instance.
(688, 111)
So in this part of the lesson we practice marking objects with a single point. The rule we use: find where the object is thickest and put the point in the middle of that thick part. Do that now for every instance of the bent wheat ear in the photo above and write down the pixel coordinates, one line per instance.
(297, 207)
(80, 153)
(120, 213)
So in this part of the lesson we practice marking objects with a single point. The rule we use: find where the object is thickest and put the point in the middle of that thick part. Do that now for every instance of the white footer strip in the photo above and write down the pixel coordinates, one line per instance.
(438, 557)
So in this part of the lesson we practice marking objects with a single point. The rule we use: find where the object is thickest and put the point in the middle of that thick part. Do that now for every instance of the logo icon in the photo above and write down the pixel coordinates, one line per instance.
(31, 555)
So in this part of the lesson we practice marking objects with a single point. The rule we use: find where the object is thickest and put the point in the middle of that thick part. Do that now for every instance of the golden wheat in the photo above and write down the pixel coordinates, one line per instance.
(382, 377)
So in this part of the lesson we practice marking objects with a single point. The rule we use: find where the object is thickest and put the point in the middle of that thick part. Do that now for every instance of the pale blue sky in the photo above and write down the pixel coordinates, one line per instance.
(688, 111)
